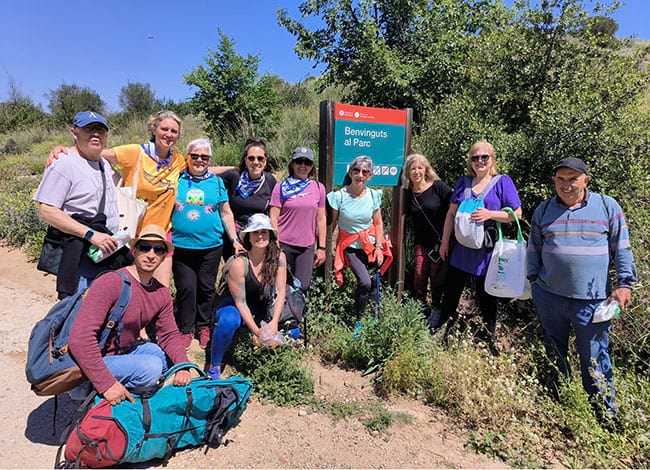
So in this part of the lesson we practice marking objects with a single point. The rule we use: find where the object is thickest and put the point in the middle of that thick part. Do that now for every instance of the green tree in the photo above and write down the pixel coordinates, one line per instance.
(393, 53)
(232, 95)
(137, 98)
(543, 87)
(67, 100)
(20, 112)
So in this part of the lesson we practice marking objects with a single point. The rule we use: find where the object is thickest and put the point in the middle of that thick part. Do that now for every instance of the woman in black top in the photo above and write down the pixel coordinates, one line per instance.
(256, 282)
(249, 187)
(427, 201)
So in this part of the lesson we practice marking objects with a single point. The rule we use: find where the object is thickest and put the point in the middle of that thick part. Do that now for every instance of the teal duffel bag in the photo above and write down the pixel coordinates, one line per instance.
(162, 420)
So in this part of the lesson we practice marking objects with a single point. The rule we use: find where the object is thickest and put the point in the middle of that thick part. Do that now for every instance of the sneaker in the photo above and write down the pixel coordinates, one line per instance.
(204, 337)
(187, 338)
(214, 372)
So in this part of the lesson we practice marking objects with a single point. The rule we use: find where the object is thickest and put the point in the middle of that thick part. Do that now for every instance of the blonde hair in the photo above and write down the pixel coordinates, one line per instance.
(154, 122)
(430, 174)
(490, 151)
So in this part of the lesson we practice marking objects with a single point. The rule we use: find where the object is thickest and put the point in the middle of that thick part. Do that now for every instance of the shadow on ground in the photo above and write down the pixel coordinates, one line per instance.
(43, 427)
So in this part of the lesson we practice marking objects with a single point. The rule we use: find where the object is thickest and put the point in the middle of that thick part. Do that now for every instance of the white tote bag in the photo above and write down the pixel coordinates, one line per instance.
(131, 209)
(506, 274)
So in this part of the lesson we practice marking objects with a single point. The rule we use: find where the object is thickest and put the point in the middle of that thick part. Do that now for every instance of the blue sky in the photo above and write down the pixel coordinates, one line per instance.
(104, 45)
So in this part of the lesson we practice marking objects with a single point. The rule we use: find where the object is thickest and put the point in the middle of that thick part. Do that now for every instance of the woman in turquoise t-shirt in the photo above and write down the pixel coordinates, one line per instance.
(357, 211)
(200, 213)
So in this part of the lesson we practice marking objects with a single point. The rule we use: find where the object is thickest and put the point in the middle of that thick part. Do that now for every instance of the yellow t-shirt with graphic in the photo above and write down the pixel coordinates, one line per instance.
(156, 186)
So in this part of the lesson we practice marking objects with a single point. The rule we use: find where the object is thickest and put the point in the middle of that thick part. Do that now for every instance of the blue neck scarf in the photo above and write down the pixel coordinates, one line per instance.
(150, 149)
(246, 186)
(194, 178)
(292, 186)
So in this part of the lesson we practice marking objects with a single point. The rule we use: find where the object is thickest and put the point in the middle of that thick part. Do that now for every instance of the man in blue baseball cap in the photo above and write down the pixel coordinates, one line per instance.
(85, 118)
(77, 198)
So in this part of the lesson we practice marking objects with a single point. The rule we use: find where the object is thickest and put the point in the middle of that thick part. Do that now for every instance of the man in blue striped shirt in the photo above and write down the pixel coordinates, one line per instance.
(573, 237)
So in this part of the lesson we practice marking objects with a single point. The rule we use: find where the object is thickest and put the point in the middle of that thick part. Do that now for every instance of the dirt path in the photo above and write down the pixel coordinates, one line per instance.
(267, 437)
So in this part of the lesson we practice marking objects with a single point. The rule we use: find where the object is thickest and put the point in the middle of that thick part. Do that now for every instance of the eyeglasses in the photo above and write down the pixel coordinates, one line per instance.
(356, 171)
(259, 158)
(483, 158)
(147, 247)
(202, 157)
(303, 161)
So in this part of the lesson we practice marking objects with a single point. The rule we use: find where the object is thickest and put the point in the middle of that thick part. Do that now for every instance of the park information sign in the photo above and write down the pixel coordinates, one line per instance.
(375, 132)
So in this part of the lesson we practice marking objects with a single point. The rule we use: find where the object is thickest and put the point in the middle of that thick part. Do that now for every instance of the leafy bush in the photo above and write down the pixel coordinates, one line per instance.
(328, 308)
(277, 373)
(395, 347)
(19, 222)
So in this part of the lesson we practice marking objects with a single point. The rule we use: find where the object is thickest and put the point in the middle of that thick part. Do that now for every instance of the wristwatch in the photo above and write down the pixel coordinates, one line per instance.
(320, 247)
(89, 234)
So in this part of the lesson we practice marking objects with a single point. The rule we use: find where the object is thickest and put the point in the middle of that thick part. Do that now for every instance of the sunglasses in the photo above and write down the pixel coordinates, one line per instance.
(147, 247)
(356, 171)
(483, 158)
(199, 156)
(303, 161)
(259, 158)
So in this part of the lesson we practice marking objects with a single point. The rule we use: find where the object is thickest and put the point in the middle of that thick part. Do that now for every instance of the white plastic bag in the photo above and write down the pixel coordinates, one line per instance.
(267, 338)
(506, 274)
(606, 311)
(468, 232)
(131, 209)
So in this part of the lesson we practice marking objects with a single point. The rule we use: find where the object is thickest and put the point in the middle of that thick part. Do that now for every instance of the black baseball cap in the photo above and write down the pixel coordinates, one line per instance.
(572, 163)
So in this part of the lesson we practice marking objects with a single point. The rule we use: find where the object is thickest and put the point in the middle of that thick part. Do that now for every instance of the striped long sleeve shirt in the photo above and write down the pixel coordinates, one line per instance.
(569, 250)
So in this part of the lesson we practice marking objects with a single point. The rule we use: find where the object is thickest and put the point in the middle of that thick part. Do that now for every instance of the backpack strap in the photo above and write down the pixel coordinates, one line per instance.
(223, 280)
(495, 179)
(468, 187)
(115, 316)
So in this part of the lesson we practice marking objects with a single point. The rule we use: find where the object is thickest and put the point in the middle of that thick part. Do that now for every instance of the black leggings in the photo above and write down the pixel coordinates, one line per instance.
(456, 279)
(195, 273)
(301, 261)
(366, 279)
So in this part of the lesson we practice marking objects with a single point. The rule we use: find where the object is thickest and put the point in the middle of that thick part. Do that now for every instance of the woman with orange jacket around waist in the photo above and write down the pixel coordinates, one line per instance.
(357, 211)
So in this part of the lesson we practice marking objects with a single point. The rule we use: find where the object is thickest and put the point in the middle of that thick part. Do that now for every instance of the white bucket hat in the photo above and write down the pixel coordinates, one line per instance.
(258, 222)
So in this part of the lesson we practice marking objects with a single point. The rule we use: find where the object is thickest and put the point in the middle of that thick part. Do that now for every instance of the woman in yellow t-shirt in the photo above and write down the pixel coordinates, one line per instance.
(158, 168)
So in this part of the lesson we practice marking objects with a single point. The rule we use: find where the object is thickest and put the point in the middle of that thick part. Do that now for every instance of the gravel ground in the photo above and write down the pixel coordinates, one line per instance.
(267, 436)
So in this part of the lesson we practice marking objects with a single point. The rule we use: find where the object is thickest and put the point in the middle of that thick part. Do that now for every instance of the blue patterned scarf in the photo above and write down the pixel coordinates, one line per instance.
(246, 186)
(196, 178)
(150, 149)
(292, 186)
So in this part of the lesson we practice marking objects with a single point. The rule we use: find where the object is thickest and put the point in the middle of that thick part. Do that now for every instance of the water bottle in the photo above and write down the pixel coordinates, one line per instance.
(606, 311)
(97, 255)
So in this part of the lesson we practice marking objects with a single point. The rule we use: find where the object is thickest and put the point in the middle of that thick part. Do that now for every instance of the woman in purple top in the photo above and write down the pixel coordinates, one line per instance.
(298, 213)
(467, 262)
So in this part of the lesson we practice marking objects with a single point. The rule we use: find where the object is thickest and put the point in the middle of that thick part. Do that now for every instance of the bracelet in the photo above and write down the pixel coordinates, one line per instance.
(320, 247)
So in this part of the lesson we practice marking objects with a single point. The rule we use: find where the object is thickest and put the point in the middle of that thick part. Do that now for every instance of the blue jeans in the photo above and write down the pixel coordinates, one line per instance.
(557, 315)
(228, 321)
(88, 271)
(142, 367)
